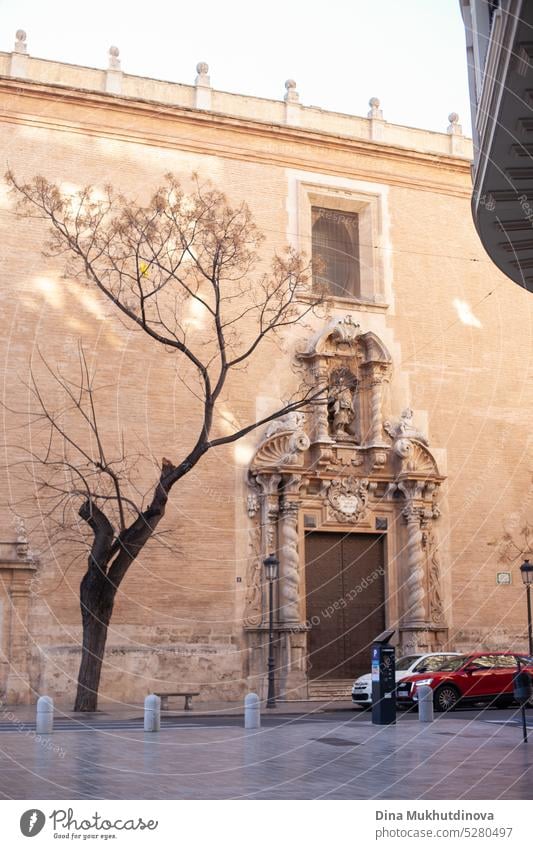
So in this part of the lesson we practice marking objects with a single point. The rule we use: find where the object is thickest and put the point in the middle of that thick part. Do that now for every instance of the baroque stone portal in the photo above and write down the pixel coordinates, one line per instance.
(342, 466)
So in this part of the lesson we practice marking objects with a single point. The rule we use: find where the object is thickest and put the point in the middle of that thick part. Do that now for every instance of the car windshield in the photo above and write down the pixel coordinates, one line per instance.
(441, 663)
(404, 663)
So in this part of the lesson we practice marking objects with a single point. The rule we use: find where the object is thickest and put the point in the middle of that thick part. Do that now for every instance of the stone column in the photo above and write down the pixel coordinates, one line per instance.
(269, 520)
(376, 374)
(376, 417)
(414, 593)
(321, 428)
(18, 689)
(289, 601)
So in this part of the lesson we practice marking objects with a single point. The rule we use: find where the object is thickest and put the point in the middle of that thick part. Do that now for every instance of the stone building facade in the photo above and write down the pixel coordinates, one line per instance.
(404, 503)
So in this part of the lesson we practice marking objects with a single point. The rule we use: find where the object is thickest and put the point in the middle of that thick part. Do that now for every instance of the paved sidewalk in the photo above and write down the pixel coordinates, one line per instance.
(315, 755)
(109, 711)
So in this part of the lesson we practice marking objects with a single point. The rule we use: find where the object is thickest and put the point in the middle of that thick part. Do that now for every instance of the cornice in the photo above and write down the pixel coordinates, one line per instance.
(186, 116)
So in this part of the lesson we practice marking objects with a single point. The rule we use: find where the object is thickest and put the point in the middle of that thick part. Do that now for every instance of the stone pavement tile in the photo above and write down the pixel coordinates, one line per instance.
(292, 761)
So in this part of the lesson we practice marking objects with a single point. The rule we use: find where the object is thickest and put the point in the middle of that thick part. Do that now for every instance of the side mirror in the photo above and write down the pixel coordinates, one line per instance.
(470, 668)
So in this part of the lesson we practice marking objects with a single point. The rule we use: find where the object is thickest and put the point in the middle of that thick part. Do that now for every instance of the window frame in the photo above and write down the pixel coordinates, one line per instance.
(367, 207)
(349, 222)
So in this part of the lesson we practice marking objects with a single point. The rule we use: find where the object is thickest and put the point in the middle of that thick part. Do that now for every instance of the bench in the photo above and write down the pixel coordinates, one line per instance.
(166, 696)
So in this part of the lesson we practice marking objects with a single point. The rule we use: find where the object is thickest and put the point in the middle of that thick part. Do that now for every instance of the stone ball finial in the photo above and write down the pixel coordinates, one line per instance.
(454, 127)
(20, 43)
(114, 61)
(202, 80)
(291, 95)
(375, 108)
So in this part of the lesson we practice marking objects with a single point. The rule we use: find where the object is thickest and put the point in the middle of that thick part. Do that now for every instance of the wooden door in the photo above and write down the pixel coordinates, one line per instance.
(345, 601)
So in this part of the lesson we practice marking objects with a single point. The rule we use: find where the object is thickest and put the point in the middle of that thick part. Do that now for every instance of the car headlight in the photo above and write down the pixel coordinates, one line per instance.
(425, 681)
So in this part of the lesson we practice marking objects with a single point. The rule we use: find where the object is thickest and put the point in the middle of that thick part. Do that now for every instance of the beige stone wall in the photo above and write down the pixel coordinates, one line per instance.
(179, 617)
(161, 92)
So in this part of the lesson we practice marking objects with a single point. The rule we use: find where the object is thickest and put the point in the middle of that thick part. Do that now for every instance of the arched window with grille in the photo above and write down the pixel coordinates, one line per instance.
(335, 245)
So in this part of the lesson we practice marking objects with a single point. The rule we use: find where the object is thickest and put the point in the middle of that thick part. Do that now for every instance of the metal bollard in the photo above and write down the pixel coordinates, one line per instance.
(252, 711)
(44, 723)
(425, 703)
(152, 713)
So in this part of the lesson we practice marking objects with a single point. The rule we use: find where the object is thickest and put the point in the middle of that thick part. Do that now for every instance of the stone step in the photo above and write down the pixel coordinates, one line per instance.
(330, 689)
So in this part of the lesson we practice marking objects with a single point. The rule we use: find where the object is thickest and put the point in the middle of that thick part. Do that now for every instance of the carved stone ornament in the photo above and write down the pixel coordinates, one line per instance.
(404, 429)
(252, 505)
(346, 331)
(289, 422)
(348, 498)
(253, 599)
(282, 449)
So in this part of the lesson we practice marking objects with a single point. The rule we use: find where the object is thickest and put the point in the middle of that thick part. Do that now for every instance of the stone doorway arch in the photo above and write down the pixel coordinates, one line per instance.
(343, 467)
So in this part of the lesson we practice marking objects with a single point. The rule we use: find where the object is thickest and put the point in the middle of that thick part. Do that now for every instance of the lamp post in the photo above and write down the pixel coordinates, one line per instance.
(271, 564)
(526, 570)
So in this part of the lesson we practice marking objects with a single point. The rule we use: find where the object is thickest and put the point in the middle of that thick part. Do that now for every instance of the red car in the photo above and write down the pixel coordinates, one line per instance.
(473, 677)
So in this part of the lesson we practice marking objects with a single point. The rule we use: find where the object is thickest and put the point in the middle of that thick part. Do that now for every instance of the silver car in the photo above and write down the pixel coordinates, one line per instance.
(411, 664)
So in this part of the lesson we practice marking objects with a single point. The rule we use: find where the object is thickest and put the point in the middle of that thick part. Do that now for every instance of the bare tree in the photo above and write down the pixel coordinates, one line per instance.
(153, 262)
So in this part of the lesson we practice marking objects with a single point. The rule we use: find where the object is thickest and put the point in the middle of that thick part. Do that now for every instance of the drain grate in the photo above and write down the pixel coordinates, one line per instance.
(336, 741)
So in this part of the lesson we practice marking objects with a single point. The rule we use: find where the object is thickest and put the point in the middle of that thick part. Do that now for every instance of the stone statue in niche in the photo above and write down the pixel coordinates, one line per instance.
(342, 411)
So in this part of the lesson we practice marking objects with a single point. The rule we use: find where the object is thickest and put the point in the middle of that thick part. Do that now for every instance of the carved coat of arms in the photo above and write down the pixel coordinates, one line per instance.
(348, 498)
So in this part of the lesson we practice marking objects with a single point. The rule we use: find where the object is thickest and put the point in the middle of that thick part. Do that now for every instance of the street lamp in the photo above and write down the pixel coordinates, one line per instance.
(271, 564)
(526, 570)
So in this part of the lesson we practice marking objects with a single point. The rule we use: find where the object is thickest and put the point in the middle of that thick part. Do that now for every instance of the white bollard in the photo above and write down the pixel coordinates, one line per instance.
(425, 703)
(44, 723)
(252, 711)
(152, 713)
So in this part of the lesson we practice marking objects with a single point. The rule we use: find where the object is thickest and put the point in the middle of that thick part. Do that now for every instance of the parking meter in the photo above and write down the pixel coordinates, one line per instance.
(383, 668)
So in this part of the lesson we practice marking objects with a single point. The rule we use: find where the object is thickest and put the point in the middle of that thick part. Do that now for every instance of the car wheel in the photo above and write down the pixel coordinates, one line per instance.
(445, 698)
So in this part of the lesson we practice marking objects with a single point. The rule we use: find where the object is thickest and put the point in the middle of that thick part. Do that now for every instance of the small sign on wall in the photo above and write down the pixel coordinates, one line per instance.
(503, 577)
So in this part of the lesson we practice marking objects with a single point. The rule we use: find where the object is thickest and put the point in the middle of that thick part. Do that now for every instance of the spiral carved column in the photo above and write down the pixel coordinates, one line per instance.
(415, 610)
(290, 563)
(376, 417)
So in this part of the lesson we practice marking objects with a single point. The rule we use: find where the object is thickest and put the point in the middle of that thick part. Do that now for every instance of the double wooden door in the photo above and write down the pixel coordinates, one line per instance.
(345, 595)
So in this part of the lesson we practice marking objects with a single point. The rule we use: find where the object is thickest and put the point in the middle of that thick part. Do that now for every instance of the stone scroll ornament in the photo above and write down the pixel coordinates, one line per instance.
(348, 498)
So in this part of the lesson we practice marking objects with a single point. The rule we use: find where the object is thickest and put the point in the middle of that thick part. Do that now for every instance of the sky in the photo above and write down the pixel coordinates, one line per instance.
(409, 53)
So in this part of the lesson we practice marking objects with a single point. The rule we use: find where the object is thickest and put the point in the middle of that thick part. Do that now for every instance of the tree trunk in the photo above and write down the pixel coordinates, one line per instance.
(100, 583)
(96, 615)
